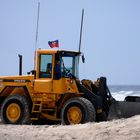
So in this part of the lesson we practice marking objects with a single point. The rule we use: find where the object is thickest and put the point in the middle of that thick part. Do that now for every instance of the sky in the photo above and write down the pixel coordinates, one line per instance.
(110, 41)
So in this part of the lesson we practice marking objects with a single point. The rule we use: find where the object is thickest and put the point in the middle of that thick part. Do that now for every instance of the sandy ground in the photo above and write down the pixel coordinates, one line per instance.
(123, 129)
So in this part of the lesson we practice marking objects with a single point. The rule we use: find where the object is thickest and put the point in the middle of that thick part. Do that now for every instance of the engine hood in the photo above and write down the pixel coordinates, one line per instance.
(26, 78)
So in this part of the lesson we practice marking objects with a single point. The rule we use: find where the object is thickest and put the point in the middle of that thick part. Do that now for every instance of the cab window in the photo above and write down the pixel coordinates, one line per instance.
(45, 66)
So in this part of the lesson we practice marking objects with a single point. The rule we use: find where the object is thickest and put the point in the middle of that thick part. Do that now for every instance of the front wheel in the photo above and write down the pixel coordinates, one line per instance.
(15, 110)
(78, 110)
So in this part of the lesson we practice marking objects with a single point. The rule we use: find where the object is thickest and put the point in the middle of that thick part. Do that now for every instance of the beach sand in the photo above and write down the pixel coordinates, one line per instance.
(121, 129)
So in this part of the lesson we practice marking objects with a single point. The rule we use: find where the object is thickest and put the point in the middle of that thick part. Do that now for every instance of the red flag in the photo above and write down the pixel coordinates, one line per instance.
(54, 44)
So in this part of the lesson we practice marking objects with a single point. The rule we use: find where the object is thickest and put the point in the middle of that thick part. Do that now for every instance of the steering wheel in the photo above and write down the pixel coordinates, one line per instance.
(66, 72)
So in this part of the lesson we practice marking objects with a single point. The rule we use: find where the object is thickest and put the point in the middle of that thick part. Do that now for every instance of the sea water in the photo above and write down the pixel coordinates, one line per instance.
(119, 92)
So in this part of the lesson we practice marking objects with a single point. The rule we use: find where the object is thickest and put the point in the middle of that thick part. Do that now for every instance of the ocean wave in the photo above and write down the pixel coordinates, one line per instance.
(120, 95)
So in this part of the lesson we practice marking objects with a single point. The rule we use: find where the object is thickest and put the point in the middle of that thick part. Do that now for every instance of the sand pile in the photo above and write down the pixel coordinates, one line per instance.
(123, 129)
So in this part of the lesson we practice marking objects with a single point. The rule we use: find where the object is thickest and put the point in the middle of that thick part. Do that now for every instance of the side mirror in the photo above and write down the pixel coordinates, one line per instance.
(83, 58)
(32, 72)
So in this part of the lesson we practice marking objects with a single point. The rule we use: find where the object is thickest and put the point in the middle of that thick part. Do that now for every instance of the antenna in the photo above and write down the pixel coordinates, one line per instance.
(36, 38)
(81, 30)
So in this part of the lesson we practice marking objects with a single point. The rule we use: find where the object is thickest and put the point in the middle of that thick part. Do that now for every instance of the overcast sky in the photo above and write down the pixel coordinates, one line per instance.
(111, 35)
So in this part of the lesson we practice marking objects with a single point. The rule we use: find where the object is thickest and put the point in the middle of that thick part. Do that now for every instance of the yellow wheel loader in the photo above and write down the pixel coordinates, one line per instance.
(53, 93)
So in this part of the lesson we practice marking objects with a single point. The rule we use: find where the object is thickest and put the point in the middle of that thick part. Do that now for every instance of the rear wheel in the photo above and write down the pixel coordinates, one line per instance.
(15, 110)
(78, 110)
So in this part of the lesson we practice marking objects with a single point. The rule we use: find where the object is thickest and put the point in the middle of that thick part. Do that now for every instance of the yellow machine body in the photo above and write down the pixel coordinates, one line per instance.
(44, 93)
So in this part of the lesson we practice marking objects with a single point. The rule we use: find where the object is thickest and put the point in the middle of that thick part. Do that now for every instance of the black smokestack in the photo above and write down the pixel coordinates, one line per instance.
(20, 64)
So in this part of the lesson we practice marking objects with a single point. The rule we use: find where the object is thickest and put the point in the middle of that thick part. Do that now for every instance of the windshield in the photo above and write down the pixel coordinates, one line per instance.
(69, 65)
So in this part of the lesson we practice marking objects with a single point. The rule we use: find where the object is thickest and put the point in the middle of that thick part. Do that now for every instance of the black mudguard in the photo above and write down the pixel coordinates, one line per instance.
(97, 99)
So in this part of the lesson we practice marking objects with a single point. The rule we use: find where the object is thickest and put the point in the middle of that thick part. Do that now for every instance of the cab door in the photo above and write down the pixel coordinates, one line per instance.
(44, 77)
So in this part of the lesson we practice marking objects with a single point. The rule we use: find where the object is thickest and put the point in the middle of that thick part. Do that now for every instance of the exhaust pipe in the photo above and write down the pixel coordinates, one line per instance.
(20, 64)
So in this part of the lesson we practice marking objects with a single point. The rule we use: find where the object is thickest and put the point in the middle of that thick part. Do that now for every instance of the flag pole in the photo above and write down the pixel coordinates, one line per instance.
(36, 37)
(37, 25)
(81, 30)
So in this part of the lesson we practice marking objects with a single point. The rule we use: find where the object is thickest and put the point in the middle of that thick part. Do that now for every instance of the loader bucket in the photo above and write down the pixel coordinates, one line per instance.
(123, 109)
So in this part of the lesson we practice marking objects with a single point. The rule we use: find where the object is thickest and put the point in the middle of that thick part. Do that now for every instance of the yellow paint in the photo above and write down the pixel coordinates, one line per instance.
(13, 112)
(43, 85)
(74, 115)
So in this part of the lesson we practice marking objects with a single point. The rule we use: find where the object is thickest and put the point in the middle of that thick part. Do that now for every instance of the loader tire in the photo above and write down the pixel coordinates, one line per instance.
(78, 110)
(15, 110)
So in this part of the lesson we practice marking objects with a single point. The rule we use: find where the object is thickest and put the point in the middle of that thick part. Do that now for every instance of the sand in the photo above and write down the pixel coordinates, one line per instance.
(123, 129)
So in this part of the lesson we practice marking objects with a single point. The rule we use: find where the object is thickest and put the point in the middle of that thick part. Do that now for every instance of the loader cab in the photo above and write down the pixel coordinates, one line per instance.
(53, 67)
(66, 65)
(57, 64)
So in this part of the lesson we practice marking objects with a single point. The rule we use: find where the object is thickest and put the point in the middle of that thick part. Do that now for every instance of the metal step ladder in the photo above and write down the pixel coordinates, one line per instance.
(36, 109)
